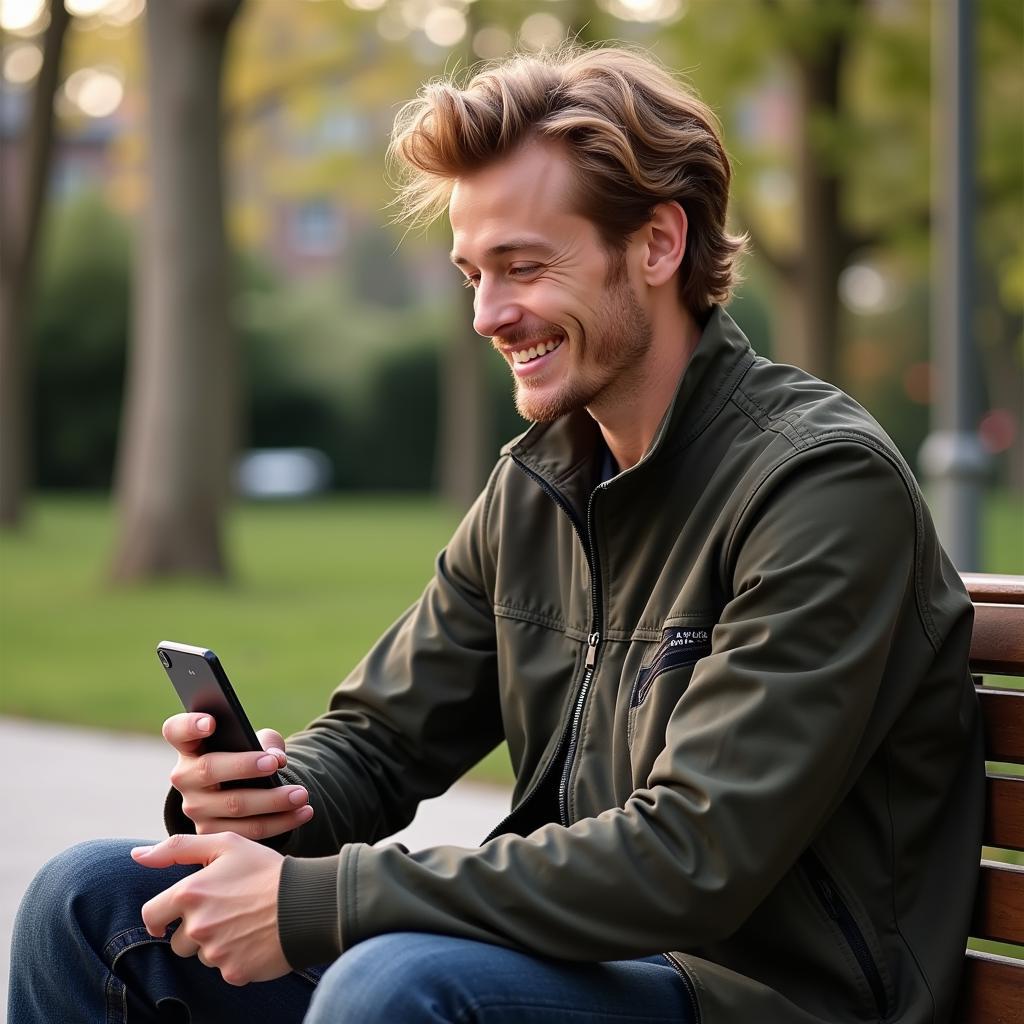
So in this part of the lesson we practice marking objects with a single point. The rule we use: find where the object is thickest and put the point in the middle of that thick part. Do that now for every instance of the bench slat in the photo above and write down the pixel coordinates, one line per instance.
(999, 903)
(992, 986)
(1004, 812)
(991, 990)
(1003, 713)
(988, 588)
(997, 642)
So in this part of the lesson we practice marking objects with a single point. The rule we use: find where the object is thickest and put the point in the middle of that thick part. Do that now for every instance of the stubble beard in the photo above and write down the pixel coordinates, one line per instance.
(616, 348)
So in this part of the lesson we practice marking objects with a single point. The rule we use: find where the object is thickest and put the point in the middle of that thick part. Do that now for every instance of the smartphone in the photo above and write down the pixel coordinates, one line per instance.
(202, 684)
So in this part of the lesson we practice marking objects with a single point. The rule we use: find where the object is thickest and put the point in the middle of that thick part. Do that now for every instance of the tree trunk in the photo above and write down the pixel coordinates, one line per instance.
(809, 337)
(19, 235)
(464, 428)
(464, 422)
(179, 424)
(1001, 363)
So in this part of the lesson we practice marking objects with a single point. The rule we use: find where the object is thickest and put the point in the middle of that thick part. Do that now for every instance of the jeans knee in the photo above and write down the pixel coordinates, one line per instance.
(90, 879)
(397, 977)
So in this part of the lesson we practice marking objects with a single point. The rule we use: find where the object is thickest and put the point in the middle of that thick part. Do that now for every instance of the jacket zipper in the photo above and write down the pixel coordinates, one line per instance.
(593, 640)
(581, 699)
(691, 990)
(829, 895)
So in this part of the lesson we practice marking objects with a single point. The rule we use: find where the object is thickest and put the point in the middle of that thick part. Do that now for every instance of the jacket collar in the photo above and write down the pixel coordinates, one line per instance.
(563, 450)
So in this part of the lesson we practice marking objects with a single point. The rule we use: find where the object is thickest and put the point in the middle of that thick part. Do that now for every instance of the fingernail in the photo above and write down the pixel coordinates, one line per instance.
(266, 762)
(279, 754)
(140, 851)
(304, 813)
(204, 724)
(297, 797)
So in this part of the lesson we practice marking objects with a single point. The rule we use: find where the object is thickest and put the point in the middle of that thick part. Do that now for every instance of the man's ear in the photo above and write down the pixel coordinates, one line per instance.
(665, 243)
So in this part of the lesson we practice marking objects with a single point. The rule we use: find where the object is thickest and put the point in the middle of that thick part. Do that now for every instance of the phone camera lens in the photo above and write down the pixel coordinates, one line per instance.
(164, 660)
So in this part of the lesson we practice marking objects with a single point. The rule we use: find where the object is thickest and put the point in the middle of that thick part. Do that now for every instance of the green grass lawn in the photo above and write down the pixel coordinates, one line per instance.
(315, 584)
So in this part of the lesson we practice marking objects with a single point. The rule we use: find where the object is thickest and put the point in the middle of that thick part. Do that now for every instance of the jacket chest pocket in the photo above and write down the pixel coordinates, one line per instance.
(664, 675)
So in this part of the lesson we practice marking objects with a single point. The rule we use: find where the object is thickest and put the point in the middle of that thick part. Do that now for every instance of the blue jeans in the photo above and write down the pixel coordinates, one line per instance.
(81, 953)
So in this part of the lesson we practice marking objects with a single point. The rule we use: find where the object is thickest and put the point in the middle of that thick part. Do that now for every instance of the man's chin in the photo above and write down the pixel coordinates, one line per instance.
(544, 409)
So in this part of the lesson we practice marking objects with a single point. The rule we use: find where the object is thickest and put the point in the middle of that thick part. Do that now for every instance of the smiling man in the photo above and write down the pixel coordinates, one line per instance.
(702, 600)
(561, 307)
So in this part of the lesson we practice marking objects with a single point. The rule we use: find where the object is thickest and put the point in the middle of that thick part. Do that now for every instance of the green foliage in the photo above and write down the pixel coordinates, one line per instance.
(336, 365)
(359, 381)
(877, 137)
(79, 327)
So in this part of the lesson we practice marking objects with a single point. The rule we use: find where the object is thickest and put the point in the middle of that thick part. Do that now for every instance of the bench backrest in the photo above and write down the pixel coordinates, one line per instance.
(992, 989)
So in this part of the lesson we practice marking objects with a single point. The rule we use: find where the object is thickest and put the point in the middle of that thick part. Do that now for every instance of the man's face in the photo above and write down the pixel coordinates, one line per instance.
(555, 304)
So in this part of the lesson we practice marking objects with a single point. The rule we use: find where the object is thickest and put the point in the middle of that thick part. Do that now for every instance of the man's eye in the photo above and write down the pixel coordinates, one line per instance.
(520, 271)
(470, 280)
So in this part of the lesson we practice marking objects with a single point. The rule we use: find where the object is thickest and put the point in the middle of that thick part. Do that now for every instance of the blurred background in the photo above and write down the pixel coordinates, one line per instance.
(239, 409)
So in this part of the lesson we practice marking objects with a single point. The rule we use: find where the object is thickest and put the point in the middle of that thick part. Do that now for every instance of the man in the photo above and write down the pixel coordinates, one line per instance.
(702, 600)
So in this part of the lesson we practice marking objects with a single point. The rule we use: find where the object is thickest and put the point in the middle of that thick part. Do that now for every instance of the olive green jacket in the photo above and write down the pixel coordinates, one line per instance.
(733, 680)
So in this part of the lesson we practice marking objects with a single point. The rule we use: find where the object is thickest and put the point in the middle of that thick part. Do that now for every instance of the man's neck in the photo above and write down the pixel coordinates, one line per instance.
(629, 422)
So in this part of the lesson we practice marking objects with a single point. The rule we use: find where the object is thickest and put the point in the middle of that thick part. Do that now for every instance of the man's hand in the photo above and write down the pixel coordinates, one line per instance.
(228, 910)
(253, 813)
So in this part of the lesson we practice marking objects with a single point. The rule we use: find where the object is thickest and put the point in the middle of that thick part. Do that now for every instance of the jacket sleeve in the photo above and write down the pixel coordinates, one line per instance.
(418, 711)
(759, 750)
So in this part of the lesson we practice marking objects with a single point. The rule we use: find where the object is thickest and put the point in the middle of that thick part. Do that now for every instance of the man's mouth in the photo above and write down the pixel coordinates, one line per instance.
(520, 356)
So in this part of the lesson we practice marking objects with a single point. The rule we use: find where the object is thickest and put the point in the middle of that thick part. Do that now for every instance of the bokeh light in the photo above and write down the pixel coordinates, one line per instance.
(865, 290)
(19, 15)
(22, 63)
(917, 382)
(644, 10)
(444, 26)
(86, 8)
(97, 92)
(492, 42)
(998, 430)
(542, 30)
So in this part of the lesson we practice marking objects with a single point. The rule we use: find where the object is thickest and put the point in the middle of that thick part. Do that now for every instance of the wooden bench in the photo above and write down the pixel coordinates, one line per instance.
(992, 987)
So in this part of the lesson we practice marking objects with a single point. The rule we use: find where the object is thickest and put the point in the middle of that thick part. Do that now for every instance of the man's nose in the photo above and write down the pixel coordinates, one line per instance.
(493, 309)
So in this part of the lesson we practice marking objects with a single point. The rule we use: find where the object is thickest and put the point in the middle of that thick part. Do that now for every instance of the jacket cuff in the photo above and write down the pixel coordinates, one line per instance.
(307, 910)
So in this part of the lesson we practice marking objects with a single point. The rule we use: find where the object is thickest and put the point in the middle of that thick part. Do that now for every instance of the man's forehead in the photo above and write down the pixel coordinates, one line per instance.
(512, 203)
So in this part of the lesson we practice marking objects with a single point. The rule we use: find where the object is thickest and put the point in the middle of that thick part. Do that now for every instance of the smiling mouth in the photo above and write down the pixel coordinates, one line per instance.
(521, 356)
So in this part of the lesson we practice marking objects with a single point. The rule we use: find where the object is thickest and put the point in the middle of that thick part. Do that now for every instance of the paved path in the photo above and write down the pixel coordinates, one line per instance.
(67, 784)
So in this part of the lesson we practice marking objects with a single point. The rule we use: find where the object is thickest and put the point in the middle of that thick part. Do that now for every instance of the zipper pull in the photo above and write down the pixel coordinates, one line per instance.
(830, 899)
(592, 641)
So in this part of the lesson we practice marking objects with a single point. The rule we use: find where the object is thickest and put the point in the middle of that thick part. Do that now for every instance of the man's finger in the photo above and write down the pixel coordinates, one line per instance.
(169, 905)
(242, 802)
(211, 769)
(187, 730)
(183, 945)
(272, 740)
(264, 826)
(180, 850)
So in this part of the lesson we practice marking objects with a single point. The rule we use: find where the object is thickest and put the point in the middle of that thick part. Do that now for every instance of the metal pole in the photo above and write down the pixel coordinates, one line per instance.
(952, 457)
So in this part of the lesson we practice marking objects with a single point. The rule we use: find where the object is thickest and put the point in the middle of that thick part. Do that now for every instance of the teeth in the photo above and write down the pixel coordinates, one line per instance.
(525, 355)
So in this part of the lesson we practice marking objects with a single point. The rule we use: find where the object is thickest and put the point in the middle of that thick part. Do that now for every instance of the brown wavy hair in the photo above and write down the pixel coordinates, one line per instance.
(635, 135)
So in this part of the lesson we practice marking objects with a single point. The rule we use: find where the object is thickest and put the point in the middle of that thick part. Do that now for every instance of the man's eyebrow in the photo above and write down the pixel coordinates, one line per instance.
(514, 245)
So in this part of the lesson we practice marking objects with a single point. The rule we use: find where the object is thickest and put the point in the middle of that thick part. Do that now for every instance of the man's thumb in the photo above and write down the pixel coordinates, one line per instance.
(271, 739)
